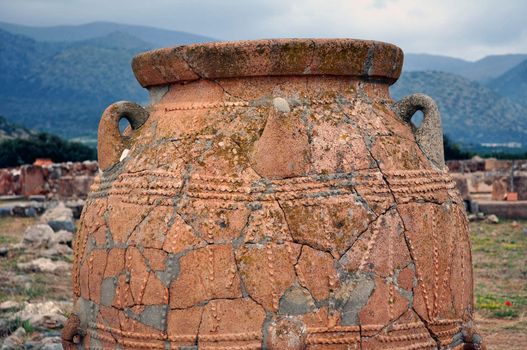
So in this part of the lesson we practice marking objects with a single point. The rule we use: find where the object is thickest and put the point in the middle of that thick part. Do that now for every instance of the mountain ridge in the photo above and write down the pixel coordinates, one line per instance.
(483, 70)
(68, 33)
(116, 39)
(512, 83)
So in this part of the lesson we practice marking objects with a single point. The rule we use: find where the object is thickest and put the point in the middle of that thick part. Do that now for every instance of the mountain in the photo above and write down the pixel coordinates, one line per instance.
(483, 70)
(471, 112)
(424, 62)
(64, 87)
(492, 66)
(115, 40)
(68, 33)
(513, 83)
(10, 131)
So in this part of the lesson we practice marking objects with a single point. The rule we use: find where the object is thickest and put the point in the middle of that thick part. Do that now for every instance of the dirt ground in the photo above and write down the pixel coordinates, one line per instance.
(500, 272)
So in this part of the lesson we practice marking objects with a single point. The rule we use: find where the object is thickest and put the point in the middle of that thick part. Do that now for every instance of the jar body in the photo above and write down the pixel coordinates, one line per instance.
(273, 212)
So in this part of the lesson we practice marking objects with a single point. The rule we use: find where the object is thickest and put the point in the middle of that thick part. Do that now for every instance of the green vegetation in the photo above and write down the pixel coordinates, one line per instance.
(501, 306)
(494, 152)
(63, 88)
(453, 151)
(11, 325)
(7, 240)
(34, 292)
(28, 327)
(500, 291)
(14, 152)
(500, 266)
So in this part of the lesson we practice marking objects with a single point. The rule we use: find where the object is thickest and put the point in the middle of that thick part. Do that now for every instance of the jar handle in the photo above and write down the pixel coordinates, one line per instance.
(111, 142)
(429, 135)
(71, 333)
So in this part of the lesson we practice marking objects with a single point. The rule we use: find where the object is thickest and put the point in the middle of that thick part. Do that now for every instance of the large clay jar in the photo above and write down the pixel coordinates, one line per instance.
(272, 196)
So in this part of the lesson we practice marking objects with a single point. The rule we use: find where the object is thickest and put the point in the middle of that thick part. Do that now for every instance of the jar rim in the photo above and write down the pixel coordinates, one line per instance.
(363, 59)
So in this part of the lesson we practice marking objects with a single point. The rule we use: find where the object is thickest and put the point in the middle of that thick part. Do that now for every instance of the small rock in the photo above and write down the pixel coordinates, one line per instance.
(30, 212)
(63, 237)
(4, 251)
(56, 250)
(44, 265)
(10, 305)
(37, 198)
(38, 236)
(51, 343)
(30, 345)
(493, 219)
(472, 217)
(15, 341)
(47, 314)
(5, 211)
(59, 218)
(515, 224)
(58, 225)
(53, 346)
(76, 207)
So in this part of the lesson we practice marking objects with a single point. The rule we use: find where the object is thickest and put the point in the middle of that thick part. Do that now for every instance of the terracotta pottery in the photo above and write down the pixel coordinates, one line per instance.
(272, 196)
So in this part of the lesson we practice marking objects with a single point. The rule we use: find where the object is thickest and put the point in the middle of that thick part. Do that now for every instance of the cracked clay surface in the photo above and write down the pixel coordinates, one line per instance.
(274, 212)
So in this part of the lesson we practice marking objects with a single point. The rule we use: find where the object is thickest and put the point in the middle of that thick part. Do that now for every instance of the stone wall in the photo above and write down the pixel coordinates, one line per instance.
(492, 186)
(478, 164)
(490, 179)
(510, 184)
(57, 181)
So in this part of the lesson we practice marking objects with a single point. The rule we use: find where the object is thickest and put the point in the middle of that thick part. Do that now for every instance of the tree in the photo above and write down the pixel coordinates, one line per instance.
(453, 151)
(20, 151)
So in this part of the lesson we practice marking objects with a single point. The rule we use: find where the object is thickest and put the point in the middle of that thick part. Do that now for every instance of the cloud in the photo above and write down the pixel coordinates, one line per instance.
(469, 29)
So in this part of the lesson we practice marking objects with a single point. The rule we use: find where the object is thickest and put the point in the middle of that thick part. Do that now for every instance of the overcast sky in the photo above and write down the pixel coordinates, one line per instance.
(468, 29)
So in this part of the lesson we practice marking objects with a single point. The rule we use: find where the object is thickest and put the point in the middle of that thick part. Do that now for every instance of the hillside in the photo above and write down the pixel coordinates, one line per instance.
(64, 88)
(425, 62)
(512, 83)
(470, 111)
(115, 40)
(157, 37)
(483, 70)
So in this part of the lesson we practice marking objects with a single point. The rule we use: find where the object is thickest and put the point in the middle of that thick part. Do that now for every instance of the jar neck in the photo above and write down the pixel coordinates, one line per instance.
(262, 88)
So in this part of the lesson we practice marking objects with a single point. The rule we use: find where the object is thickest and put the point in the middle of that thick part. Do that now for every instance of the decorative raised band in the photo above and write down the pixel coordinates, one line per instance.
(179, 338)
(315, 336)
(163, 187)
